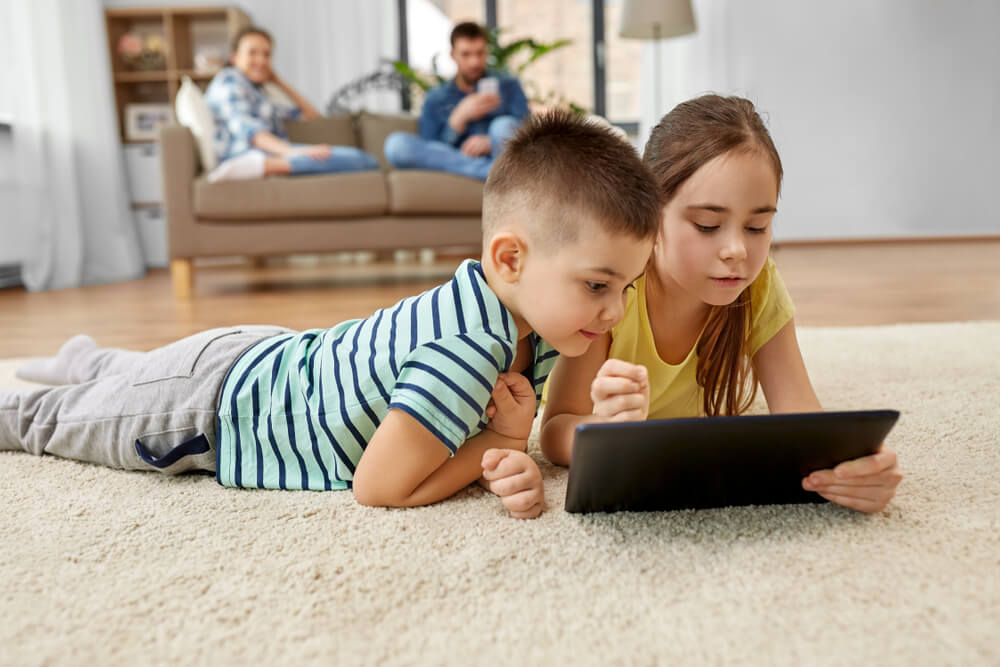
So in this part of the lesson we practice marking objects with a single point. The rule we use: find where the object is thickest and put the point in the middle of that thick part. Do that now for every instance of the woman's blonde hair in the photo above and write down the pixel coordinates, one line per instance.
(692, 134)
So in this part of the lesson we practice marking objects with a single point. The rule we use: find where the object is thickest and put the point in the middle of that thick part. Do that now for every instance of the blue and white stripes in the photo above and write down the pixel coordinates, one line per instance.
(296, 411)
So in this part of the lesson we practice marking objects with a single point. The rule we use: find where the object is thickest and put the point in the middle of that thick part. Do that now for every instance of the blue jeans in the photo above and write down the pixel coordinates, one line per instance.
(408, 151)
(342, 158)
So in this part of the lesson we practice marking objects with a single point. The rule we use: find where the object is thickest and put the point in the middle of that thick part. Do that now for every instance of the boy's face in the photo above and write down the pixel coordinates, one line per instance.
(576, 293)
(716, 231)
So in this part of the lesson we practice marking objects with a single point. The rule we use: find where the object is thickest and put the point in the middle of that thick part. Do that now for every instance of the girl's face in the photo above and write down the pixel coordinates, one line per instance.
(716, 231)
(253, 57)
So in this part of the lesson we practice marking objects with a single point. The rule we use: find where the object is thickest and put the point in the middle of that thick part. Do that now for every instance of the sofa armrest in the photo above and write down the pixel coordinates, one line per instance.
(179, 158)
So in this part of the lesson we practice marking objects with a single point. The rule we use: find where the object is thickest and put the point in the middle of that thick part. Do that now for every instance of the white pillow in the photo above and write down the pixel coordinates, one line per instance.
(194, 114)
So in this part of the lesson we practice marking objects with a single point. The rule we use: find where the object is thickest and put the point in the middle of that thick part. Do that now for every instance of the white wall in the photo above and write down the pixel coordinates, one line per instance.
(884, 111)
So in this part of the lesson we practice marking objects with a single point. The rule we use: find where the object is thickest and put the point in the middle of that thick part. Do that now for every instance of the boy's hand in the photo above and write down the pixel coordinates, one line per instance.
(511, 409)
(514, 476)
(866, 484)
(620, 391)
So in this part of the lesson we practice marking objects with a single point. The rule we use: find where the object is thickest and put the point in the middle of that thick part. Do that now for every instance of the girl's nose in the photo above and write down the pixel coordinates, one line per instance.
(733, 248)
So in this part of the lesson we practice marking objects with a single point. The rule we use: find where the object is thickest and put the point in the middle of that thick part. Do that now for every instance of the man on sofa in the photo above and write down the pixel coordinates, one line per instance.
(466, 121)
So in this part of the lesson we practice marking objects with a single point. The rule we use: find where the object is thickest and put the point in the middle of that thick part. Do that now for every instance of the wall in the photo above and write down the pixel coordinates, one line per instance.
(884, 112)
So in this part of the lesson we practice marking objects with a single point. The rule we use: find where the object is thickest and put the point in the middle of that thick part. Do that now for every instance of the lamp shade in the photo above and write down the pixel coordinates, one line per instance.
(656, 19)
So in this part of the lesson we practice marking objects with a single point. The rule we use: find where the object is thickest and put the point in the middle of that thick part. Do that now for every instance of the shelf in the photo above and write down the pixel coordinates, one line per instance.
(173, 39)
(141, 77)
(197, 75)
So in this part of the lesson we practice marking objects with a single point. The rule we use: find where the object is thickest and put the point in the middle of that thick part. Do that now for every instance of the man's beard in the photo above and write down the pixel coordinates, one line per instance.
(471, 83)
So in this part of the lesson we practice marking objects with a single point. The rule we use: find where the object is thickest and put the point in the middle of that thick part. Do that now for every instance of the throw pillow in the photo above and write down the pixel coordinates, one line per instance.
(194, 114)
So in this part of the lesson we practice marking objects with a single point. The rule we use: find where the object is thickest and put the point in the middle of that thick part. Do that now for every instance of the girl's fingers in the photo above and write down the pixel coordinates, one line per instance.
(822, 478)
(617, 367)
(605, 387)
(867, 465)
(860, 504)
(619, 404)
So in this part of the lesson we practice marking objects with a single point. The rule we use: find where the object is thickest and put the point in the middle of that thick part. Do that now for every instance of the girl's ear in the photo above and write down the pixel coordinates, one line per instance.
(507, 254)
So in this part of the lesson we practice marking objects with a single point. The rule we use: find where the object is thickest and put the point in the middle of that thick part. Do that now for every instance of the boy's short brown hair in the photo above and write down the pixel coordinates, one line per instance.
(561, 167)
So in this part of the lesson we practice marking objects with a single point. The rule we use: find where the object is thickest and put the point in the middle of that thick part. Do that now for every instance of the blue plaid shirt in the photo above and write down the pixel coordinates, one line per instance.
(443, 99)
(241, 109)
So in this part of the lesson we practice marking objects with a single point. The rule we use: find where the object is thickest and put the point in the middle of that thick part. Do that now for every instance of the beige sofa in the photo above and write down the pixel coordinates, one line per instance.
(375, 210)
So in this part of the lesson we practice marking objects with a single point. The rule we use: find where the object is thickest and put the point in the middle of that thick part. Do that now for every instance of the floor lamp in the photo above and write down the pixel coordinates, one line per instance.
(656, 20)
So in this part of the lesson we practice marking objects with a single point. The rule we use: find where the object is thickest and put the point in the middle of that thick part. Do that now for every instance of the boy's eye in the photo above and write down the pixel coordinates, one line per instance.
(705, 228)
(757, 230)
(596, 287)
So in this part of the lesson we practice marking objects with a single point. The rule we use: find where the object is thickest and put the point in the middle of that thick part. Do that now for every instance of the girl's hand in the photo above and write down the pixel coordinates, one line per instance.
(866, 484)
(512, 407)
(620, 391)
(514, 476)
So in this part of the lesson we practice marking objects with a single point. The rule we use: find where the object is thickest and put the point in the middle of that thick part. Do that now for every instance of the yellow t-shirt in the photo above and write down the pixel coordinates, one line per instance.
(673, 389)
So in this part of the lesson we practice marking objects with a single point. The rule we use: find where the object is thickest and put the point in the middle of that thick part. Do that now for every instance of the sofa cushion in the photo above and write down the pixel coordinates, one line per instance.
(373, 128)
(336, 130)
(290, 197)
(414, 192)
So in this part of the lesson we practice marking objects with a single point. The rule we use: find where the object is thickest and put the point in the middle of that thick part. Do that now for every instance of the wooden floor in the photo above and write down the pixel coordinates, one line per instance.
(832, 285)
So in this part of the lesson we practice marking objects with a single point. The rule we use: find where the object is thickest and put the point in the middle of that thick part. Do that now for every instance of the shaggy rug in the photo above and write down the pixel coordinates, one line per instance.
(106, 567)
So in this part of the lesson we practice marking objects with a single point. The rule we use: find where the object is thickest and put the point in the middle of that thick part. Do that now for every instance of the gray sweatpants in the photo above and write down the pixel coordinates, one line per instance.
(134, 410)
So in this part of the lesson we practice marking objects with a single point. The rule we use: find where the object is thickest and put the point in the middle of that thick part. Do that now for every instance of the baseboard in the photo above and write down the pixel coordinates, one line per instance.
(10, 275)
(900, 240)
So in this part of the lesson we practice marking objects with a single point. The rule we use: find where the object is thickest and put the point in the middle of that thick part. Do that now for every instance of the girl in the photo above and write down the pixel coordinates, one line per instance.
(711, 317)
(250, 139)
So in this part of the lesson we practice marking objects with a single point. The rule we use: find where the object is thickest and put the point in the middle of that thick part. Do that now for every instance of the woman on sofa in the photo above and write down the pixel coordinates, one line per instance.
(250, 139)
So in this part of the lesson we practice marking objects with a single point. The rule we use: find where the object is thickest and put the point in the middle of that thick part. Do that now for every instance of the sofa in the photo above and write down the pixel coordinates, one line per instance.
(375, 210)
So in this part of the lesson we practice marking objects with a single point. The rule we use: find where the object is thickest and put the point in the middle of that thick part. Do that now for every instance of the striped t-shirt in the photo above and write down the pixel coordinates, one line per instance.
(296, 411)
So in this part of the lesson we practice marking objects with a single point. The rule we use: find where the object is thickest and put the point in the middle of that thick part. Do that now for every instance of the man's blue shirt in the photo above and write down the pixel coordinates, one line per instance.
(443, 99)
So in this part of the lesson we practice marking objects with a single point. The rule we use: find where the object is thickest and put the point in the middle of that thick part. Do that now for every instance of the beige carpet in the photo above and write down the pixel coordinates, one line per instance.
(104, 567)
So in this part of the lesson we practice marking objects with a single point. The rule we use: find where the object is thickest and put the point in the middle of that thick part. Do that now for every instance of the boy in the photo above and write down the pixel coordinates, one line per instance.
(407, 406)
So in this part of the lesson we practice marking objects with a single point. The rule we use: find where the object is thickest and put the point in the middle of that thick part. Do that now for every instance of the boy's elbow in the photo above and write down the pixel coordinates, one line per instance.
(374, 494)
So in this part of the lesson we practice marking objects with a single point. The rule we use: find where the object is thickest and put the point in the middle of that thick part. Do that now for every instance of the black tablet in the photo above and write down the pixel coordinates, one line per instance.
(670, 464)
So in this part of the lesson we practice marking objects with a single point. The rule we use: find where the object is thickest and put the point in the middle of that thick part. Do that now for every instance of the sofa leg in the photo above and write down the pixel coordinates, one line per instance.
(182, 273)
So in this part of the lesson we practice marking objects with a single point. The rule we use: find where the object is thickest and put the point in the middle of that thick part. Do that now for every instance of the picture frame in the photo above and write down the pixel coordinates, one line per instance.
(143, 121)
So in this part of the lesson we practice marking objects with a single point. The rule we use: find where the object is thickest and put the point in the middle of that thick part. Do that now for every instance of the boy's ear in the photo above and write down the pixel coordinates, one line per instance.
(507, 253)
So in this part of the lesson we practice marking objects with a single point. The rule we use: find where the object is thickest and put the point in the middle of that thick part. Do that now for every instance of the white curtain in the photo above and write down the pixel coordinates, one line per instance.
(68, 166)
(320, 45)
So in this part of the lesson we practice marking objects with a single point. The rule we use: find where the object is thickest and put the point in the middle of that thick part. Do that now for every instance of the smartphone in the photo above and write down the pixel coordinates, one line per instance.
(488, 85)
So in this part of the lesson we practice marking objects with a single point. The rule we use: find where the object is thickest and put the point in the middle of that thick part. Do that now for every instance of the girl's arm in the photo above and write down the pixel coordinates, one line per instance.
(568, 403)
(307, 110)
(782, 374)
(866, 484)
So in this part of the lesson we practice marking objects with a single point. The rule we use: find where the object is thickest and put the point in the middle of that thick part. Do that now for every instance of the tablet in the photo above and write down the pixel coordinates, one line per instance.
(670, 464)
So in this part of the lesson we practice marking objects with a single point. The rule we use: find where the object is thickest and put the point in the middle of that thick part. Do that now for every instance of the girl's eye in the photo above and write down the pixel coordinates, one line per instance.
(596, 287)
(757, 230)
(705, 228)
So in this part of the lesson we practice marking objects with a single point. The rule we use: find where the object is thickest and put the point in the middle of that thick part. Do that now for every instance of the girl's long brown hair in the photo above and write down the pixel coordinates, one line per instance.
(692, 134)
